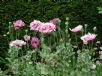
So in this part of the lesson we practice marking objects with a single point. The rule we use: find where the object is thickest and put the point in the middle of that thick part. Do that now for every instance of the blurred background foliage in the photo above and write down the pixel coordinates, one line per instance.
(79, 12)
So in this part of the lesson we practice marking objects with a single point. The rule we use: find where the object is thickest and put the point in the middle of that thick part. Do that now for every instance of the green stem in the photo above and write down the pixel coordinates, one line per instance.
(76, 39)
(11, 32)
(59, 31)
(92, 41)
(17, 34)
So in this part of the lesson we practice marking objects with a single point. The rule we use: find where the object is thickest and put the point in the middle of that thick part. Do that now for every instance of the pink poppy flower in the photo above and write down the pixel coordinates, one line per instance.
(17, 43)
(35, 25)
(55, 21)
(26, 37)
(18, 24)
(35, 42)
(76, 29)
(88, 37)
(47, 28)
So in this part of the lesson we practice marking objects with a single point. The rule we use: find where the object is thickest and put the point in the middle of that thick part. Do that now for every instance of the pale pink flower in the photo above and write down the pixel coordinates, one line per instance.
(88, 37)
(35, 25)
(76, 29)
(26, 37)
(35, 42)
(18, 24)
(47, 28)
(55, 21)
(98, 62)
(17, 43)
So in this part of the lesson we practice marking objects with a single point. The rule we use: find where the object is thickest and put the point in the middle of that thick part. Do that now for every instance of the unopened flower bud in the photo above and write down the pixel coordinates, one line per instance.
(67, 18)
(11, 26)
(66, 23)
(59, 21)
(95, 48)
(75, 46)
(4, 35)
(8, 33)
(30, 63)
(94, 28)
(26, 31)
(98, 42)
(78, 51)
(85, 25)
(9, 22)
